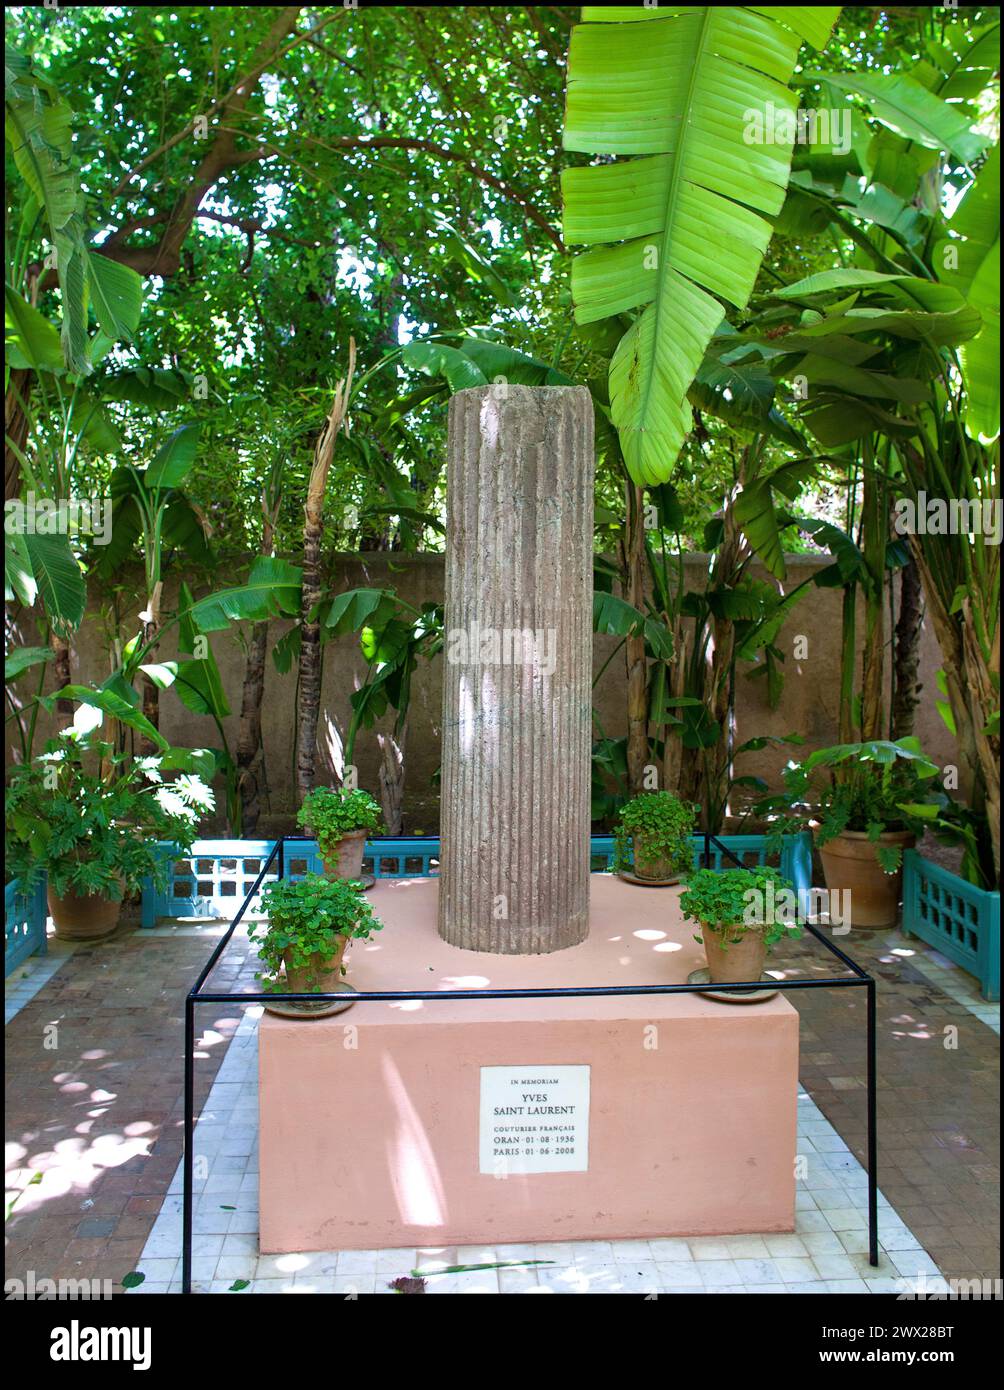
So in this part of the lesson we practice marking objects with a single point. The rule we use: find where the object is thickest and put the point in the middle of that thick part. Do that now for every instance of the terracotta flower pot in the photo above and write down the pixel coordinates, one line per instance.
(850, 863)
(657, 867)
(742, 959)
(350, 856)
(86, 918)
(321, 975)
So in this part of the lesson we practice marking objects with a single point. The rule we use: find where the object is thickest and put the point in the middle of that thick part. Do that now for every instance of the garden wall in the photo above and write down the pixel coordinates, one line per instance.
(809, 702)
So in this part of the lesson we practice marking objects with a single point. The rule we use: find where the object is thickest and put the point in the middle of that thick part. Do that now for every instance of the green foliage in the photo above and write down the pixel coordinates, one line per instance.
(310, 916)
(329, 813)
(659, 827)
(869, 788)
(679, 88)
(740, 900)
(95, 833)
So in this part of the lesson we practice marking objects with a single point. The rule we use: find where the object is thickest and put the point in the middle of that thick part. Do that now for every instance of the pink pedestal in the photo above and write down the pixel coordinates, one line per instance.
(370, 1120)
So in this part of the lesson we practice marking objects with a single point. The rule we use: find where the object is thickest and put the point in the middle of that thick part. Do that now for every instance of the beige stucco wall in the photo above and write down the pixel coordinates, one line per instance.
(808, 706)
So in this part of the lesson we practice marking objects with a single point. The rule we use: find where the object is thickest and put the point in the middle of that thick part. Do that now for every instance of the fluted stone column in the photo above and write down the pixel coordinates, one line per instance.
(515, 784)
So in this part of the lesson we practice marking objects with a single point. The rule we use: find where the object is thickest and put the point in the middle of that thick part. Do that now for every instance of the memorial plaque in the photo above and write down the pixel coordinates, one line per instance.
(534, 1120)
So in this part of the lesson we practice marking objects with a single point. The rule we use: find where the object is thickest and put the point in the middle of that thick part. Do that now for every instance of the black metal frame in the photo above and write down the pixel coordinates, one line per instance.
(857, 979)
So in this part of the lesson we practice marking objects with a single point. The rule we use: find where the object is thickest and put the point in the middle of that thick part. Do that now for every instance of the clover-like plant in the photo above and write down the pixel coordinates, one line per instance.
(736, 901)
(663, 824)
(331, 813)
(309, 917)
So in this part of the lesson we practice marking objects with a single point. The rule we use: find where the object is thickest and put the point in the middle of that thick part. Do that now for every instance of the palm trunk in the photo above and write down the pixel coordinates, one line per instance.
(970, 680)
(392, 773)
(906, 652)
(634, 647)
(983, 689)
(15, 428)
(848, 658)
(672, 757)
(309, 687)
(61, 671)
(874, 523)
(250, 750)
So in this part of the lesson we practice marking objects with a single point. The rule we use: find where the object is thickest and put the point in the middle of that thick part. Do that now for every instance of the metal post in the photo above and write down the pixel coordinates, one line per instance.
(189, 1159)
(873, 1254)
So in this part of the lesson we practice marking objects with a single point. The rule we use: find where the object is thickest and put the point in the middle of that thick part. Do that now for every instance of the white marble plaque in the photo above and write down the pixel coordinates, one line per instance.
(534, 1120)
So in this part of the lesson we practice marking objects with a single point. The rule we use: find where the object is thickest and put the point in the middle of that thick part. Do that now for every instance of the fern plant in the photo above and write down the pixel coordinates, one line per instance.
(683, 227)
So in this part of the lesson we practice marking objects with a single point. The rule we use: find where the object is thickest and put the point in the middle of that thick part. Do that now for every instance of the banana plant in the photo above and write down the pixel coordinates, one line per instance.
(150, 508)
(683, 224)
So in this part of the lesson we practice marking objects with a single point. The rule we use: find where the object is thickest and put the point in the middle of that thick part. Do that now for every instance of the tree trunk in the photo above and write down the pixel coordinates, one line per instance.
(517, 709)
(392, 773)
(970, 682)
(309, 687)
(906, 651)
(250, 749)
(61, 672)
(982, 679)
(848, 662)
(672, 752)
(874, 525)
(634, 647)
(16, 429)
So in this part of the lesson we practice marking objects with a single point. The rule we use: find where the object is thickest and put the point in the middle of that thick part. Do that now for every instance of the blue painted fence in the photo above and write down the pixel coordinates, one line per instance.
(25, 916)
(213, 879)
(960, 921)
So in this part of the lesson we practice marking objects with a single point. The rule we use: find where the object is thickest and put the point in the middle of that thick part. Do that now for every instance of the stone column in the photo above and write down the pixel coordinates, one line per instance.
(517, 669)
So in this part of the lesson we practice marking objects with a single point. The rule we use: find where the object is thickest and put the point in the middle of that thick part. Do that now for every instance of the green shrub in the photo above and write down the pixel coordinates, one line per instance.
(664, 822)
(869, 788)
(308, 916)
(329, 813)
(95, 833)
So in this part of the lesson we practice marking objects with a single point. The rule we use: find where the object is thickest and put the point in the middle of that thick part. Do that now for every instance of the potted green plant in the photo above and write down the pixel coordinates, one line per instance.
(88, 820)
(653, 835)
(741, 913)
(339, 821)
(310, 922)
(867, 803)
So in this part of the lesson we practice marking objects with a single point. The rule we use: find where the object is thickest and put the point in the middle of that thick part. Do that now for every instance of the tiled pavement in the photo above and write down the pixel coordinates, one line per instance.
(94, 1140)
(94, 1065)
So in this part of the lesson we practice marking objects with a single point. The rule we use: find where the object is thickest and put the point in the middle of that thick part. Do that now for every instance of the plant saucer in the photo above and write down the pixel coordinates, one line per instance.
(629, 877)
(724, 995)
(324, 1008)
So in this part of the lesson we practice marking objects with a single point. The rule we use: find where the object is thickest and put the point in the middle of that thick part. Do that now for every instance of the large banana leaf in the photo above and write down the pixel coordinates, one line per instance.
(30, 340)
(973, 266)
(272, 590)
(692, 91)
(901, 103)
(117, 295)
(38, 131)
(55, 577)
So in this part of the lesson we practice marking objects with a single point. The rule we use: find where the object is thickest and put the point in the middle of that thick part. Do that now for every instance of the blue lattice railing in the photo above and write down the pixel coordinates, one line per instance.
(213, 879)
(25, 917)
(960, 921)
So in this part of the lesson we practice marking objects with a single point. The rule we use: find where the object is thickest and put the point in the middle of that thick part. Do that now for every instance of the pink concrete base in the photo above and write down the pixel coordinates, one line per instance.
(370, 1119)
